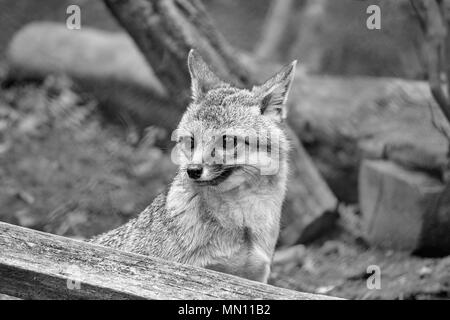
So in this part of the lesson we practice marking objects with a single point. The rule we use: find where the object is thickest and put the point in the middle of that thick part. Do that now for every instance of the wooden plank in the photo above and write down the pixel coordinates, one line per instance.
(37, 265)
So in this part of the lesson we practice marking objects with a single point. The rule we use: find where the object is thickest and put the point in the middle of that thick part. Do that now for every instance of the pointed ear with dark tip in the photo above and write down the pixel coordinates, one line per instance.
(202, 78)
(274, 92)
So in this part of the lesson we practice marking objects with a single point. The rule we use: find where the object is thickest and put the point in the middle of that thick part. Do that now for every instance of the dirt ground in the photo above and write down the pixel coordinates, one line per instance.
(66, 170)
(341, 270)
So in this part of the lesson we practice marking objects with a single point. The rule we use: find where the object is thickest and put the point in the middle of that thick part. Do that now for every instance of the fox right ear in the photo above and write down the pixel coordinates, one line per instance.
(202, 78)
(274, 92)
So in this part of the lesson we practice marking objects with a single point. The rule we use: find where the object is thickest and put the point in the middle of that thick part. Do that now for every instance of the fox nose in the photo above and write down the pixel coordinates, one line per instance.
(194, 171)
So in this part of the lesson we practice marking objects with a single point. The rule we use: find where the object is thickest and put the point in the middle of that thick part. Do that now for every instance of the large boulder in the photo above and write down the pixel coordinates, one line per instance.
(404, 209)
(344, 120)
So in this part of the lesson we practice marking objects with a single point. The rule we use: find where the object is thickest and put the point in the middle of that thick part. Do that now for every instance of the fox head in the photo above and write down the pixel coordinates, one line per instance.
(230, 136)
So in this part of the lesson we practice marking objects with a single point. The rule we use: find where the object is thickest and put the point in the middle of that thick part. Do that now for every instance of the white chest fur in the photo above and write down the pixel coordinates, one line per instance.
(256, 208)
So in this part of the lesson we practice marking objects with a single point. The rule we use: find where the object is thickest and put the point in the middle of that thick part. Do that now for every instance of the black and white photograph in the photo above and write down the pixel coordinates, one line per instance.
(251, 150)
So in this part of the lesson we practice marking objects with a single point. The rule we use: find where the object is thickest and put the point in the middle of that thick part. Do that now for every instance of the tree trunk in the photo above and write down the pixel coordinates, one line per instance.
(165, 31)
(274, 28)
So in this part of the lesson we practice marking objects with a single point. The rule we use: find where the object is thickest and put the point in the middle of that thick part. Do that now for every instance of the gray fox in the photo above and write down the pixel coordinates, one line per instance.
(222, 210)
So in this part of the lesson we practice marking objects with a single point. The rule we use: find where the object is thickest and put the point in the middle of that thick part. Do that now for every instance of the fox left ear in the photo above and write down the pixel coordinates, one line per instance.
(202, 78)
(274, 92)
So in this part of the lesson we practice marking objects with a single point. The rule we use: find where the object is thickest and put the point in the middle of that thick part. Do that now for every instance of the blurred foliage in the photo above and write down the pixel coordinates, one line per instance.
(65, 170)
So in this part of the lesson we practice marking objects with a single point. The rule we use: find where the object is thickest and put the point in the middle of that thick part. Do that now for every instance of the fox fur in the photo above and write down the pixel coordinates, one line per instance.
(227, 219)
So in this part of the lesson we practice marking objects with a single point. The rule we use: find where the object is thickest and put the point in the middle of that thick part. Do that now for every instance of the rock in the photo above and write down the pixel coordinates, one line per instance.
(292, 255)
(91, 53)
(324, 289)
(436, 240)
(15, 14)
(396, 206)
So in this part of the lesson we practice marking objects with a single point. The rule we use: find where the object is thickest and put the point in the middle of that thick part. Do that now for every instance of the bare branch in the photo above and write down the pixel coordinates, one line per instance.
(436, 124)
(417, 5)
(274, 27)
(433, 22)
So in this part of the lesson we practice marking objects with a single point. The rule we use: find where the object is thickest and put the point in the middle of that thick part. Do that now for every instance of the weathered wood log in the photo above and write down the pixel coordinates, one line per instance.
(308, 195)
(37, 265)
